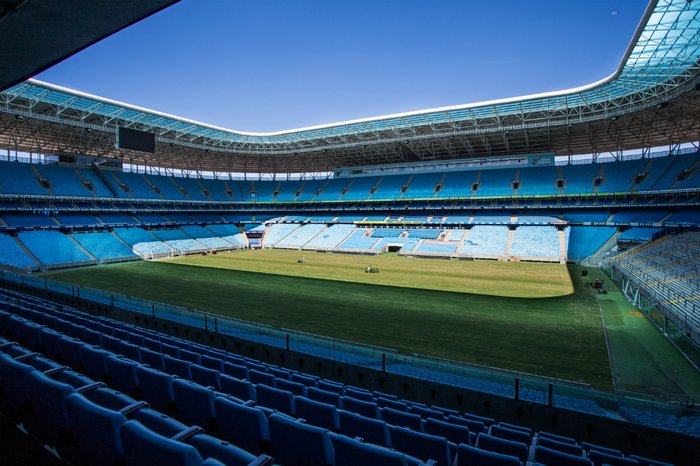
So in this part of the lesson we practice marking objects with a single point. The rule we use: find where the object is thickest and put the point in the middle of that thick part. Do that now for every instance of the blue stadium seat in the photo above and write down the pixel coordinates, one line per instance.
(122, 373)
(510, 434)
(153, 359)
(552, 457)
(324, 396)
(158, 422)
(142, 446)
(474, 426)
(470, 456)
(96, 430)
(454, 433)
(366, 408)
(351, 452)
(241, 389)
(274, 398)
(258, 377)
(245, 425)
(563, 447)
(47, 397)
(401, 419)
(236, 370)
(422, 446)
(176, 366)
(156, 387)
(426, 413)
(296, 388)
(194, 403)
(226, 453)
(500, 445)
(94, 358)
(297, 444)
(316, 413)
(369, 429)
(205, 376)
(599, 458)
(358, 394)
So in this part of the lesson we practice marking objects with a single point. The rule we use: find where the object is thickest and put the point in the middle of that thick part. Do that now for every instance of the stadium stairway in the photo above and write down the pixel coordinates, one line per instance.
(89, 409)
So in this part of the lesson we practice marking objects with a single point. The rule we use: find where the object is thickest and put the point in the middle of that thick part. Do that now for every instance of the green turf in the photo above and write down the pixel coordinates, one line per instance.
(644, 361)
(560, 335)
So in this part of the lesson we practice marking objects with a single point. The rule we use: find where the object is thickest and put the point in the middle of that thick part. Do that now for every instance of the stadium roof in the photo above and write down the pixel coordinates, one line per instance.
(38, 34)
(651, 99)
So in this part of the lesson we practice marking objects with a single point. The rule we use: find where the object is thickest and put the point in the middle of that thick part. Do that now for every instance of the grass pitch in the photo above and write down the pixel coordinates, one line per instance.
(521, 316)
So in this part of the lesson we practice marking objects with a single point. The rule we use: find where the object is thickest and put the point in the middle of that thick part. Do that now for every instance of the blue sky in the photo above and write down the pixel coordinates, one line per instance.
(272, 65)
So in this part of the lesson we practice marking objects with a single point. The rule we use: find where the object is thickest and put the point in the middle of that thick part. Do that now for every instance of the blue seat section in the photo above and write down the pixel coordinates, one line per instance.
(64, 181)
(12, 254)
(192, 188)
(219, 190)
(538, 181)
(278, 232)
(287, 190)
(295, 443)
(424, 233)
(490, 219)
(358, 188)
(689, 177)
(437, 248)
(670, 178)
(457, 184)
(485, 241)
(19, 178)
(52, 247)
(309, 189)
(578, 216)
(659, 167)
(619, 176)
(495, 183)
(207, 217)
(324, 190)
(113, 218)
(387, 232)
(537, 219)
(300, 236)
(103, 245)
(77, 219)
(167, 187)
(691, 217)
(585, 240)
(100, 190)
(535, 241)
(206, 237)
(136, 183)
(687, 424)
(422, 186)
(331, 237)
(579, 178)
(229, 233)
(179, 217)
(639, 234)
(29, 219)
(142, 241)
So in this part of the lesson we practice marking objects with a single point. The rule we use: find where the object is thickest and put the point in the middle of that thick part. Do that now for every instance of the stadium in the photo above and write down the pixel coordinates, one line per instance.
(510, 282)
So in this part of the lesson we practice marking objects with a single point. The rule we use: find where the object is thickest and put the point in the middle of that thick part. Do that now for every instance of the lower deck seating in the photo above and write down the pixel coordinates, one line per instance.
(103, 245)
(12, 254)
(231, 397)
(52, 247)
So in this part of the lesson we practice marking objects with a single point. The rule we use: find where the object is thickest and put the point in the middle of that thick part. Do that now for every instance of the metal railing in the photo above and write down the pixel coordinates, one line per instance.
(567, 394)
